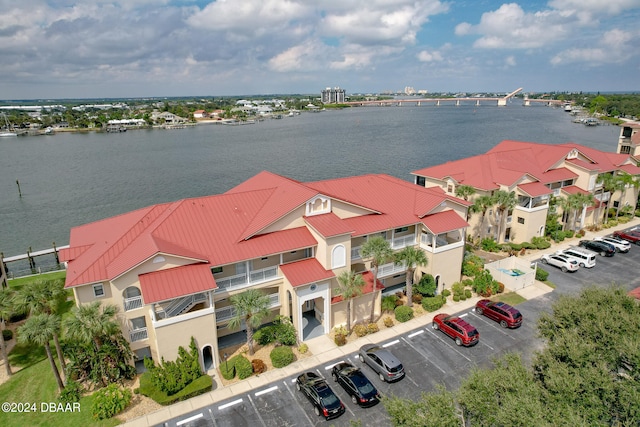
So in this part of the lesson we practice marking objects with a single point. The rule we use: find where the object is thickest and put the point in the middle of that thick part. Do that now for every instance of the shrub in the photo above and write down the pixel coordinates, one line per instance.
(340, 339)
(484, 284)
(303, 348)
(244, 368)
(472, 265)
(569, 233)
(433, 303)
(446, 293)
(489, 244)
(500, 287)
(200, 386)
(228, 369)
(360, 330)
(388, 322)
(403, 313)
(7, 334)
(456, 297)
(388, 303)
(540, 242)
(458, 290)
(541, 274)
(171, 377)
(399, 302)
(372, 328)
(71, 392)
(416, 298)
(281, 356)
(281, 331)
(109, 401)
(258, 366)
(265, 335)
(467, 293)
(340, 330)
(426, 287)
(399, 294)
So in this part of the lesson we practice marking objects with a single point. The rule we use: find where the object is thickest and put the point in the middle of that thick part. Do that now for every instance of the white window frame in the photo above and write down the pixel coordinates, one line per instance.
(96, 287)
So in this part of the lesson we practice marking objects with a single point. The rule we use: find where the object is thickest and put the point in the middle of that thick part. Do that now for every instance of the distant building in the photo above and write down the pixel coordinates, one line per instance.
(629, 142)
(333, 96)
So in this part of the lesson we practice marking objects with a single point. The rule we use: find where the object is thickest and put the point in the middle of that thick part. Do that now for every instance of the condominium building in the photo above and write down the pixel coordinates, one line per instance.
(171, 268)
(533, 172)
(629, 141)
(333, 95)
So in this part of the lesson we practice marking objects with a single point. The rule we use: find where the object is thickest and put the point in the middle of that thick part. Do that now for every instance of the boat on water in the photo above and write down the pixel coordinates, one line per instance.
(567, 107)
(591, 122)
(7, 130)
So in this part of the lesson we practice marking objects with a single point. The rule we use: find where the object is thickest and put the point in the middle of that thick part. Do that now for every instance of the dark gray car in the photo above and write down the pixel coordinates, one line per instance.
(381, 360)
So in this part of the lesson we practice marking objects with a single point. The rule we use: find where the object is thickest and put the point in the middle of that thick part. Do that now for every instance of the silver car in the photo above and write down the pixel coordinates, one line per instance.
(381, 360)
(619, 244)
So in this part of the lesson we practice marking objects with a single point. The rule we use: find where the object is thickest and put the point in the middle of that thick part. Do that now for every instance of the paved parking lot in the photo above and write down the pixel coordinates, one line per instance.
(430, 358)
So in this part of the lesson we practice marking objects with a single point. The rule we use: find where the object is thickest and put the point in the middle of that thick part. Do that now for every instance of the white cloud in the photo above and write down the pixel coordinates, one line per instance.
(510, 61)
(426, 56)
(615, 46)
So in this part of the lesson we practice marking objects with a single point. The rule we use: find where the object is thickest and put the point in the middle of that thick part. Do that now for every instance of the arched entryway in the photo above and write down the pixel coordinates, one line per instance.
(207, 357)
(439, 286)
(312, 318)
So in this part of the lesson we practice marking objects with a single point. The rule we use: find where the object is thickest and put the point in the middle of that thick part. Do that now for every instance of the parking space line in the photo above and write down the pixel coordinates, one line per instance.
(452, 348)
(463, 315)
(493, 324)
(188, 420)
(226, 405)
(428, 361)
(326, 368)
(298, 403)
(212, 417)
(484, 343)
(389, 344)
(268, 390)
(421, 331)
(257, 412)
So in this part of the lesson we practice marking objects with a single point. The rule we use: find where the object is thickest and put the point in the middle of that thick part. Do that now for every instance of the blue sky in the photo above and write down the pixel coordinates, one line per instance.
(139, 48)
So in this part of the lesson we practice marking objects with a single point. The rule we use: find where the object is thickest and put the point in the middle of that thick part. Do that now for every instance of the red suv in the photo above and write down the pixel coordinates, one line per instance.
(632, 236)
(507, 316)
(456, 328)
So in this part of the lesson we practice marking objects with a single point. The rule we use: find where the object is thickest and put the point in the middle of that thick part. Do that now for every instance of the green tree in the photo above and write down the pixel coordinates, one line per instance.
(39, 330)
(607, 180)
(43, 296)
(625, 181)
(350, 286)
(93, 323)
(251, 307)
(482, 205)
(6, 311)
(464, 191)
(412, 258)
(572, 205)
(505, 201)
(438, 409)
(379, 251)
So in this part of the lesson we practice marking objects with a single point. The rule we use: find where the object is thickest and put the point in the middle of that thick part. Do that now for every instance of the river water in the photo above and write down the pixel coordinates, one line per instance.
(69, 179)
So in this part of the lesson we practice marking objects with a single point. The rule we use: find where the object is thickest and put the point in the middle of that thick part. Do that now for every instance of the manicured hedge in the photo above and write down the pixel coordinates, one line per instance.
(7, 334)
(281, 356)
(541, 274)
(244, 369)
(433, 303)
(403, 313)
(197, 387)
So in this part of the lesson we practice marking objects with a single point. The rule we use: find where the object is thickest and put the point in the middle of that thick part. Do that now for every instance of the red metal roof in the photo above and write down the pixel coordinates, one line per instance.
(444, 222)
(305, 272)
(573, 189)
(557, 175)
(535, 189)
(634, 293)
(367, 289)
(176, 282)
(328, 224)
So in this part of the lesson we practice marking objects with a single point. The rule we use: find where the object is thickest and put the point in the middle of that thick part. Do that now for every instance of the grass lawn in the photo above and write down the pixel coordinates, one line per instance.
(19, 282)
(36, 384)
(511, 298)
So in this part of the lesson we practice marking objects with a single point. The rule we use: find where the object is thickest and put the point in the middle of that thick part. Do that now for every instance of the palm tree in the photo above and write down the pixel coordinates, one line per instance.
(43, 296)
(39, 330)
(482, 204)
(93, 323)
(573, 204)
(412, 258)
(624, 181)
(251, 306)
(350, 286)
(379, 250)
(607, 181)
(505, 201)
(6, 311)
(464, 191)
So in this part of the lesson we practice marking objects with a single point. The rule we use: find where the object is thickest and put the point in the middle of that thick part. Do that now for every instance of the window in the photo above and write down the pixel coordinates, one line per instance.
(338, 256)
(520, 220)
(449, 188)
(216, 270)
(421, 181)
(401, 229)
(98, 290)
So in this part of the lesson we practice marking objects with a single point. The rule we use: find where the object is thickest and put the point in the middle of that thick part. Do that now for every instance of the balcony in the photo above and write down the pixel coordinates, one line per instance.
(403, 241)
(132, 303)
(179, 306)
(138, 334)
(224, 314)
(355, 253)
(254, 277)
(391, 269)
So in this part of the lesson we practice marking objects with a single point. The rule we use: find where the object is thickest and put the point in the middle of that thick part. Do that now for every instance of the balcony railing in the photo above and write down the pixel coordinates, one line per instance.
(226, 313)
(139, 334)
(132, 303)
(404, 241)
(179, 305)
(244, 279)
(355, 253)
(391, 268)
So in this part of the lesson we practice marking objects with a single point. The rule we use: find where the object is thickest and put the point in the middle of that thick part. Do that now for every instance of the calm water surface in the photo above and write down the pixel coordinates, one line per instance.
(72, 179)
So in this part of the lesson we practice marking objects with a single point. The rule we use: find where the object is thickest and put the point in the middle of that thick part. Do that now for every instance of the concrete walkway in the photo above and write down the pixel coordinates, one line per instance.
(324, 350)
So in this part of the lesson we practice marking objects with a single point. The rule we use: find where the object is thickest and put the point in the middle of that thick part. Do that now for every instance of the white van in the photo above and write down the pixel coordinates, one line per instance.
(584, 257)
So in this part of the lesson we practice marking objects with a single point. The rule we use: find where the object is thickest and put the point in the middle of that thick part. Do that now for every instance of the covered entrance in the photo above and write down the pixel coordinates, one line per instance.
(207, 357)
(313, 312)
(311, 321)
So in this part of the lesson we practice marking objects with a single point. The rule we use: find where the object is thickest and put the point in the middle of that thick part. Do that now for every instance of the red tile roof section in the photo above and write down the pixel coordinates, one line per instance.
(176, 282)
(444, 222)
(367, 289)
(305, 272)
(535, 189)
(573, 189)
(328, 225)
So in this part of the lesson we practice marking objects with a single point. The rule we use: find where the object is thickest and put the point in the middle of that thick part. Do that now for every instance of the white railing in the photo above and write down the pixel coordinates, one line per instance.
(404, 241)
(179, 305)
(139, 334)
(132, 303)
(355, 253)
(244, 279)
(391, 268)
(226, 313)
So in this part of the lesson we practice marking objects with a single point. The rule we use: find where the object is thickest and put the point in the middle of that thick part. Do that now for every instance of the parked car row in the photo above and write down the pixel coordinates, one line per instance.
(584, 255)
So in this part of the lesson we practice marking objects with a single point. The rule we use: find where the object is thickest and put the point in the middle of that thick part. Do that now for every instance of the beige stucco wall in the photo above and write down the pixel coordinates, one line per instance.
(447, 264)
(360, 310)
(169, 338)
(293, 219)
(346, 210)
(531, 227)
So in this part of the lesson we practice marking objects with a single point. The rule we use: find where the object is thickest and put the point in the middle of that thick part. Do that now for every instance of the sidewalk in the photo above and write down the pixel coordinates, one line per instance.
(324, 350)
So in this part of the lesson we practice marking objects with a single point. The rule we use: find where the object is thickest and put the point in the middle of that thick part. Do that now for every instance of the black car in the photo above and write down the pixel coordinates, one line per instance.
(604, 249)
(324, 400)
(356, 384)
